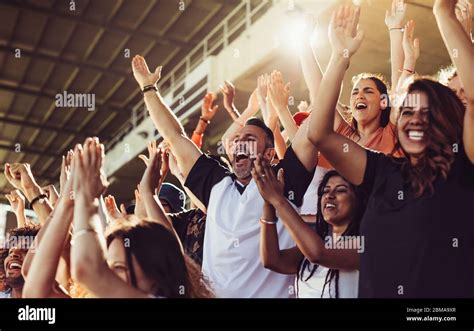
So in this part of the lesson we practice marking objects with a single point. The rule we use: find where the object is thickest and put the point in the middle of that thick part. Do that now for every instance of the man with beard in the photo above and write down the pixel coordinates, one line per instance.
(19, 241)
(233, 203)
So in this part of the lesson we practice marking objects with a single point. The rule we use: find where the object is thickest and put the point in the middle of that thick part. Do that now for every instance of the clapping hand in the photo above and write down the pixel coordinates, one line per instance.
(344, 35)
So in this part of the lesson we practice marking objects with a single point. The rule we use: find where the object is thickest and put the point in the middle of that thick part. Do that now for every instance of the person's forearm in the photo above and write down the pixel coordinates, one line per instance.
(307, 240)
(164, 119)
(44, 265)
(321, 120)
(42, 209)
(280, 144)
(20, 219)
(311, 245)
(198, 132)
(460, 48)
(287, 121)
(396, 54)
(269, 246)
(311, 71)
(88, 244)
(155, 211)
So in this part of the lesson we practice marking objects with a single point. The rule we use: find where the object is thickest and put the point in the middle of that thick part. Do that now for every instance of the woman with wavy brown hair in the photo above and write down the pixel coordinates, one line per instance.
(418, 228)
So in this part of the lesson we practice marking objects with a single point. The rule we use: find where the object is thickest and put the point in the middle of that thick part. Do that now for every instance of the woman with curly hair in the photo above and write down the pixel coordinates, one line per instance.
(418, 229)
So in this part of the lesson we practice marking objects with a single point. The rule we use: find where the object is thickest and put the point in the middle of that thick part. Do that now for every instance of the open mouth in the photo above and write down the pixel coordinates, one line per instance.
(330, 206)
(241, 156)
(14, 265)
(415, 135)
(360, 106)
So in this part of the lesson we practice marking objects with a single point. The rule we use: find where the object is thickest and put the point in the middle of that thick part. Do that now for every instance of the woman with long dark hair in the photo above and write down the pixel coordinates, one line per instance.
(418, 229)
(324, 259)
(138, 258)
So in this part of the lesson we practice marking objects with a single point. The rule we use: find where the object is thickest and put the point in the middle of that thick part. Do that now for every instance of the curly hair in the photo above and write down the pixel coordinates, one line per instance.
(29, 231)
(160, 255)
(445, 122)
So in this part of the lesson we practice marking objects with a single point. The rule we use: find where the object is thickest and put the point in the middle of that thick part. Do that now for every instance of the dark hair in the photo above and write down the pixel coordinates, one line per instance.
(3, 256)
(27, 231)
(445, 121)
(270, 141)
(381, 85)
(160, 255)
(323, 229)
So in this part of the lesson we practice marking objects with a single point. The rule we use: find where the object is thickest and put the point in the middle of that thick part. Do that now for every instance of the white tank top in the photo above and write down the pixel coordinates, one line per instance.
(313, 287)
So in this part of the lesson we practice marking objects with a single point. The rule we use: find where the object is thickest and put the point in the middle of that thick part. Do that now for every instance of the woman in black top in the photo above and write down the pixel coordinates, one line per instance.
(419, 222)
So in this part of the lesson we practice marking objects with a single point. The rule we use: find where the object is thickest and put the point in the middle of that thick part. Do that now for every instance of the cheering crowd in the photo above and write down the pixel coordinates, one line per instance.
(370, 197)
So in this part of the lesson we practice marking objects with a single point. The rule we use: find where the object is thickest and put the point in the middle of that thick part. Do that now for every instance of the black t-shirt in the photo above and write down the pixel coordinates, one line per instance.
(190, 225)
(417, 247)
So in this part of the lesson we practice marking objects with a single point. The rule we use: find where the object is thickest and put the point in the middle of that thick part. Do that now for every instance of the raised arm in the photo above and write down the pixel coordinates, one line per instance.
(148, 186)
(17, 203)
(284, 261)
(164, 119)
(347, 157)
(411, 50)
(394, 22)
(208, 111)
(269, 114)
(20, 176)
(303, 148)
(461, 51)
(41, 275)
(307, 240)
(88, 263)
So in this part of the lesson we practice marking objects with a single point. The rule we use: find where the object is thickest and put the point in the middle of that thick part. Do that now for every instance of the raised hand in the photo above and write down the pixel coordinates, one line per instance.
(278, 91)
(19, 175)
(344, 36)
(303, 106)
(140, 209)
(208, 111)
(411, 47)
(17, 201)
(394, 18)
(152, 175)
(51, 193)
(87, 181)
(142, 74)
(270, 186)
(444, 6)
(262, 85)
(228, 92)
(65, 170)
(463, 13)
(112, 210)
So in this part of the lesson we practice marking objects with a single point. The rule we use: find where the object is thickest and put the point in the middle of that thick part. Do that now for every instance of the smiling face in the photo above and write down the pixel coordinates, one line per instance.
(117, 261)
(413, 124)
(13, 263)
(366, 102)
(456, 85)
(338, 201)
(247, 144)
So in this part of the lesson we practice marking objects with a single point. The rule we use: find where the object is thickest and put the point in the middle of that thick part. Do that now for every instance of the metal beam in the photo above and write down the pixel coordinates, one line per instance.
(28, 150)
(62, 60)
(34, 92)
(49, 127)
(83, 19)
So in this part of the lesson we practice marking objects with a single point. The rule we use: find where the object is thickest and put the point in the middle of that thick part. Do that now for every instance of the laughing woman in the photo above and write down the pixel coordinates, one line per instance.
(418, 229)
(324, 266)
